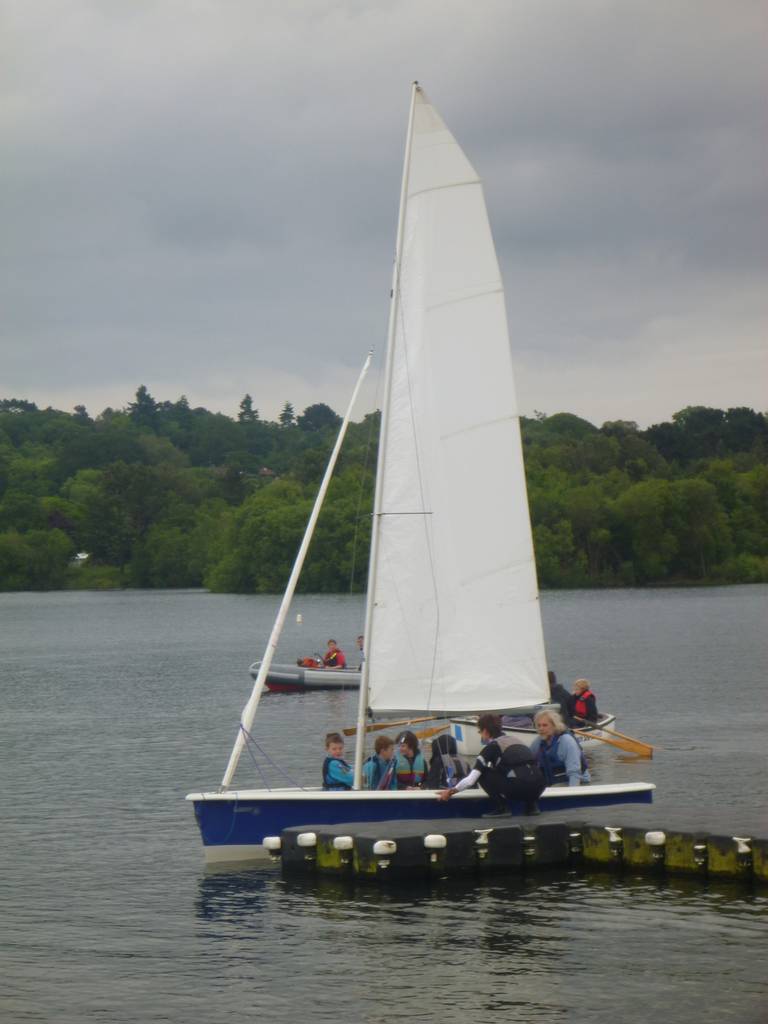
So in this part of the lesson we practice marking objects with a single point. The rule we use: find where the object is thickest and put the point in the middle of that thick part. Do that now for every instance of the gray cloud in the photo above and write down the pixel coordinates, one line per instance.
(202, 198)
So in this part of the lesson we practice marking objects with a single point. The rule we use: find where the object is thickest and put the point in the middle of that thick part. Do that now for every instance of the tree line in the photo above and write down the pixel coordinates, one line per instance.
(160, 494)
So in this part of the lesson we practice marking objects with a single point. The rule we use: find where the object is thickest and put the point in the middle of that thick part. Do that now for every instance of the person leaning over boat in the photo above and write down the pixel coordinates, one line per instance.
(506, 770)
(337, 774)
(557, 751)
(379, 769)
(334, 656)
(584, 701)
(411, 767)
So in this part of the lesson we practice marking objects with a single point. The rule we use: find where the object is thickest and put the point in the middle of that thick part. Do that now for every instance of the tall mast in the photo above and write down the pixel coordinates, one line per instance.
(249, 711)
(372, 564)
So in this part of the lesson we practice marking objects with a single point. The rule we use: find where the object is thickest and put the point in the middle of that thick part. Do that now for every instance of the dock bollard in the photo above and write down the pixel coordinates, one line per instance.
(529, 846)
(657, 842)
(384, 849)
(433, 843)
(743, 850)
(345, 845)
(700, 855)
(273, 845)
(481, 843)
(308, 842)
(615, 841)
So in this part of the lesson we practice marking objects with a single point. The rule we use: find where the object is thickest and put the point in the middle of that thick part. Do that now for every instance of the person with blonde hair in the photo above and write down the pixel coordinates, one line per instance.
(584, 705)
(557, 751)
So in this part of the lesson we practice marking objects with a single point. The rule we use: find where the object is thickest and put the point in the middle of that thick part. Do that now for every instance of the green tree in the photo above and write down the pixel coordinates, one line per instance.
(36, 560)
(287, 417)
(319, 417)
(143, 411)
(643, 529)
(558, 563)
(247, 413)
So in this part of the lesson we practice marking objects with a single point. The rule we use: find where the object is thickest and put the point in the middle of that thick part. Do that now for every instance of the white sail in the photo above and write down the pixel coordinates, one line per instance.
(453, 618)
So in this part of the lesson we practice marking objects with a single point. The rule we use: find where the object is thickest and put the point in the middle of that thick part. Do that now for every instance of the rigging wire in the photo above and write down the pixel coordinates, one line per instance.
(251, 742)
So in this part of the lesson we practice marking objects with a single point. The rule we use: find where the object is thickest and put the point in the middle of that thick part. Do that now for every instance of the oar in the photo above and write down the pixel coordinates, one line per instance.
(633, 746)
(638, 745)
(388, 725)
(424, 734)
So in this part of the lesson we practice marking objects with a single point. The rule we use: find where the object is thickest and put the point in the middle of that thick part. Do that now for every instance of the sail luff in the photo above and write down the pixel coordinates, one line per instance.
(380, 468)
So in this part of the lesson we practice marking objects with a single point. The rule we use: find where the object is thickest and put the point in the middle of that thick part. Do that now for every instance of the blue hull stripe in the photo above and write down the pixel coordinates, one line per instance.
(246, 822)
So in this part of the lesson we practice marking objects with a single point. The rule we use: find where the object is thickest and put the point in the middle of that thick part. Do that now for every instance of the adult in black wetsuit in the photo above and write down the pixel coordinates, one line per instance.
(559, 695)
(506, 769)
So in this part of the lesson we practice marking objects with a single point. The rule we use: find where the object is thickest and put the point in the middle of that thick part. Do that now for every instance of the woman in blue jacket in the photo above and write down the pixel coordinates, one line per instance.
(557, 750)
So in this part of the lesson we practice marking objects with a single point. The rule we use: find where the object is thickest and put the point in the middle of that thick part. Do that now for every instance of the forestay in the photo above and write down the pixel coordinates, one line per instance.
(454, 622)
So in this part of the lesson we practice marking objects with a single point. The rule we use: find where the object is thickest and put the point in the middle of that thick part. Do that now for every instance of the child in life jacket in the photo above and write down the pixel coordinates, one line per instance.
(446, 766)
(379, 769)
(337, 774)
(411, 766)
(584, 704)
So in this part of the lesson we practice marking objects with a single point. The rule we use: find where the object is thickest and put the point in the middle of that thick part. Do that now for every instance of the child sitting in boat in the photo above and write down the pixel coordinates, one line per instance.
(334, 656)
(584, 705)
(411, 766)
(337, 774)
(446, 767)
(379, 769)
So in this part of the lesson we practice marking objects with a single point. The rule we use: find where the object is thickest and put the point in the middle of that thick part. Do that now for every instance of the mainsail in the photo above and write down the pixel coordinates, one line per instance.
(453, 622)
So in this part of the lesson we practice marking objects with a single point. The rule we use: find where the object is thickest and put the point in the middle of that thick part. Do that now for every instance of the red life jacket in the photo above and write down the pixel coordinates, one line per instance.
(580, 704)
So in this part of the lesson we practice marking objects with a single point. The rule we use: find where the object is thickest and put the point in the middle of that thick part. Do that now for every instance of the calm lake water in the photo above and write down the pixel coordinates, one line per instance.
(115, 705)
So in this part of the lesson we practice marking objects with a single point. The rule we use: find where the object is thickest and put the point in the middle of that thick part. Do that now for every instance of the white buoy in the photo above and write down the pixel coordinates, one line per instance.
(306, 839)
(343, 843)
(299, 618)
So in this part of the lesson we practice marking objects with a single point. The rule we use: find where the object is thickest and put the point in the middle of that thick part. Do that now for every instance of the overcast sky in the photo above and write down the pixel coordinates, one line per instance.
(201, 195)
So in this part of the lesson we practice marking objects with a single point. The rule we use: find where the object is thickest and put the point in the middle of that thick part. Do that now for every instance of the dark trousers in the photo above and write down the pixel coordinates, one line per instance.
(501, 788)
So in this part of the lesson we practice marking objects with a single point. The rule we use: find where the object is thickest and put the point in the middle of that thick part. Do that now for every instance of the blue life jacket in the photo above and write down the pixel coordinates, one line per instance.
(381, 773)
(551, 761)
(328, 782)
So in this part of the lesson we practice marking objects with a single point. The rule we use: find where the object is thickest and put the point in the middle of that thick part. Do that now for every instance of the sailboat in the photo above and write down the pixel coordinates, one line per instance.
(452, 590)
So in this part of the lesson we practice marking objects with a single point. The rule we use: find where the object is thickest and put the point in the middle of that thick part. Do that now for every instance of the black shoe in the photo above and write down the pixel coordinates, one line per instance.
(501, 813)
(532, 808)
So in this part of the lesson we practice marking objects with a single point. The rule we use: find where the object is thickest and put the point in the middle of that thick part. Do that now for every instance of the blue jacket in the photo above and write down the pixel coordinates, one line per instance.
(337, 774)
(375, 770)
(561, 756)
